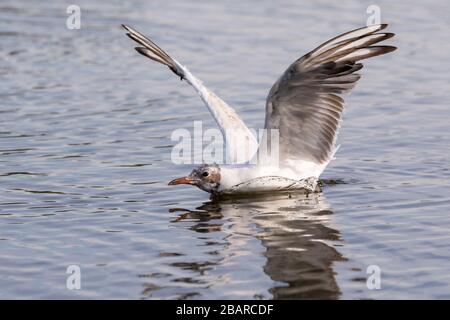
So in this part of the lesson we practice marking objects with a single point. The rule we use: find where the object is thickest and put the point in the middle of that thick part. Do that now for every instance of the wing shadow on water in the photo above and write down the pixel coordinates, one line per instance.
(294, 230)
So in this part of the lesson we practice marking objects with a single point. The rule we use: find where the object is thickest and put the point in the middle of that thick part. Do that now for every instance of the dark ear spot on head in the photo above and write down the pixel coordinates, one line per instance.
(215, 176)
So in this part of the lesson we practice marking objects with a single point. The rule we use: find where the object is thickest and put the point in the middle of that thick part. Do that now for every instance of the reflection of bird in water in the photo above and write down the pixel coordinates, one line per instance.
(294, 231)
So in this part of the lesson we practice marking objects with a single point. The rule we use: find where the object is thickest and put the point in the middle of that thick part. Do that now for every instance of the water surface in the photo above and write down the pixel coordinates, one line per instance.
(85, 156)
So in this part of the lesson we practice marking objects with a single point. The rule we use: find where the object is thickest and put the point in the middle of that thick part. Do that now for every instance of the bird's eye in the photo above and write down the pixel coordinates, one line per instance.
(205, 173)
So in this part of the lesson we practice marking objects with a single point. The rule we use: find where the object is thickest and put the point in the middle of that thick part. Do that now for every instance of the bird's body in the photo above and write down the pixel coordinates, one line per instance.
(255, 183)
(303, 109)
(254, 177)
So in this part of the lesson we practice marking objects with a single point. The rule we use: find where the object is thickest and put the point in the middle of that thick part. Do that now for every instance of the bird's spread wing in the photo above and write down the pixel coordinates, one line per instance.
(305, 103)
(241, 144)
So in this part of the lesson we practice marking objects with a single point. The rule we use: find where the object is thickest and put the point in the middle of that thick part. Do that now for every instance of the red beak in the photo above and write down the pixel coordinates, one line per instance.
(182, 180)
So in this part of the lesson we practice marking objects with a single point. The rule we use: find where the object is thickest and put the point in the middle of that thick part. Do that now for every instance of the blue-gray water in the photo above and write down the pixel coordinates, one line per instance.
(85, 126)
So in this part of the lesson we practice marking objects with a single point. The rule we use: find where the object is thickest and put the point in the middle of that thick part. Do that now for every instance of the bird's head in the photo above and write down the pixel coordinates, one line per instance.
(205, 177)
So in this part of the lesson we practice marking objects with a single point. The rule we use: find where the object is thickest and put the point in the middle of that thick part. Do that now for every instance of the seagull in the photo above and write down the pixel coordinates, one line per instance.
(304, 107)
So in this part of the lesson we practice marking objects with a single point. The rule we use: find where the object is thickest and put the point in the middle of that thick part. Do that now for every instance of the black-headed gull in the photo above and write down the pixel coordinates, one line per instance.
(304, 107)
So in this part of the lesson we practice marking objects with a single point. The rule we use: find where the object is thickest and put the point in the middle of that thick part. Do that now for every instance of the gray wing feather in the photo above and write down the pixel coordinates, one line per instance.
(305, 103)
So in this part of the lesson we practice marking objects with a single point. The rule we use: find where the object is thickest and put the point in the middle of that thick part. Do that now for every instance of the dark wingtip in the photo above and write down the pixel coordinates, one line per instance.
(383, 26)
(388, 35)
(390, 48)
(129, 35)
(141, 50)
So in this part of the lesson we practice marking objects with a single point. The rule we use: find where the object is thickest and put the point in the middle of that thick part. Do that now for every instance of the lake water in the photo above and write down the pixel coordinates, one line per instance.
(85, 156)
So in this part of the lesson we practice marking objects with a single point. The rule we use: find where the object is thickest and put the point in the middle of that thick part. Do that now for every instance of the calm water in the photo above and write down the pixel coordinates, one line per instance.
(85, 146)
